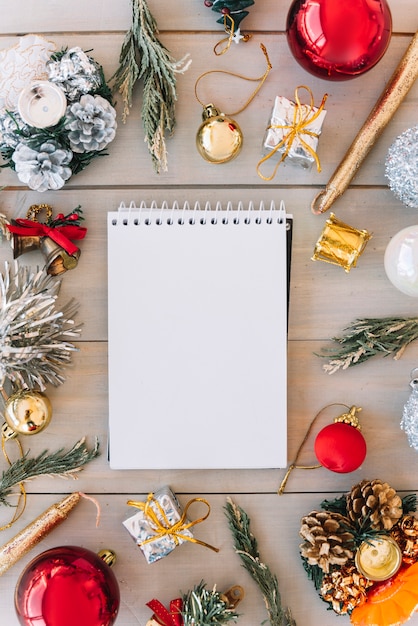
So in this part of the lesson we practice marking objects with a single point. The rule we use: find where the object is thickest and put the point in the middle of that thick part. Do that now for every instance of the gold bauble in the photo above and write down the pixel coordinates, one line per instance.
(27, 412)
(219, 138)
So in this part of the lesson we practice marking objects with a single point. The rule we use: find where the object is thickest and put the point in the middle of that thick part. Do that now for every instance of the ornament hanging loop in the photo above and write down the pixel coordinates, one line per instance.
(349, 418)
(259, 79)
(232, 36)
(7, 434)
(34, 210)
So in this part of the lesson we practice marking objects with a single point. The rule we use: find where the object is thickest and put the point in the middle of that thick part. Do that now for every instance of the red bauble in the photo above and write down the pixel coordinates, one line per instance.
(67, 586)
(338, 39)
(340, 447)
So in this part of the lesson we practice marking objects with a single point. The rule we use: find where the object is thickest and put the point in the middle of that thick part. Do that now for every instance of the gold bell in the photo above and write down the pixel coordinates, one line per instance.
(57, 259)
(27, 412)
(219, 138)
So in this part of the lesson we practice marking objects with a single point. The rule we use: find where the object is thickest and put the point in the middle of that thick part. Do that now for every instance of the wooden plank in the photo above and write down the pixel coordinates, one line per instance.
(323, 300)
(348, 105)
(275, 523)
(101, 15)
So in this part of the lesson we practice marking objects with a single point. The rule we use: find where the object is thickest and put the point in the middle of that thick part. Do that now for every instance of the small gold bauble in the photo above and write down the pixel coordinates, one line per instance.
(27, 412)
(219, 138)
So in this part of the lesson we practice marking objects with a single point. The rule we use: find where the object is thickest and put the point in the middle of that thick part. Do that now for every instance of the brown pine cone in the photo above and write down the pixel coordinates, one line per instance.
(344, 588)
(376, 502)
(327, 539)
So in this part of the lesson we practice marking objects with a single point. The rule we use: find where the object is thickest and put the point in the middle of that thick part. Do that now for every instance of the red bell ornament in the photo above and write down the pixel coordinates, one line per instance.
(68, 586)
(340, 447)
(338, 39)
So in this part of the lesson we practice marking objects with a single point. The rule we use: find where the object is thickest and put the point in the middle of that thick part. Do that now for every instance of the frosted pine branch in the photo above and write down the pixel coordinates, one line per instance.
(367, 337)
(143, 56)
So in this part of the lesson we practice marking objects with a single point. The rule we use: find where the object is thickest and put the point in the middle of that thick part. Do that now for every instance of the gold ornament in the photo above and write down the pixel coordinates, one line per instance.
(27, 412)
(219, 138)
(340, 244)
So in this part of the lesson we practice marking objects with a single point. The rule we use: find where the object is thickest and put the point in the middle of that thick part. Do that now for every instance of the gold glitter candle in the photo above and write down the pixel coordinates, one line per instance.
(24, 541)
(395, 91)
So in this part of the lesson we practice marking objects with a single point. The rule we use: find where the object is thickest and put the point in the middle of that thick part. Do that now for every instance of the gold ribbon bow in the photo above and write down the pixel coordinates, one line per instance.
(303, 116)
(162, 527)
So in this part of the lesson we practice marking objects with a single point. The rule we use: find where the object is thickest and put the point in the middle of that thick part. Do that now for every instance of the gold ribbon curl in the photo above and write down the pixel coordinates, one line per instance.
(163, 528)
(6, 435)
(230, 31)
(303, 116)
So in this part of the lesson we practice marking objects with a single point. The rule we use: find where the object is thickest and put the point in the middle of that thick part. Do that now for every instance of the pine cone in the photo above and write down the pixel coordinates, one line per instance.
(344, 588)
(45, 168)
(327, 539)
(376, 502)
(91, 123)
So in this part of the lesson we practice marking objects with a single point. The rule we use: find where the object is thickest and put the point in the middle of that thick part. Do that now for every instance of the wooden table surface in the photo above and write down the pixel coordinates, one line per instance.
(323, 300)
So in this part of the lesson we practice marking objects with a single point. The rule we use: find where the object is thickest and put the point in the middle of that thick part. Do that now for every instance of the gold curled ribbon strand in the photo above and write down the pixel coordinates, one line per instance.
(230, 30)
(293, 465)
(21, 503)
(303, 116)
(259, 79)
(163, 528)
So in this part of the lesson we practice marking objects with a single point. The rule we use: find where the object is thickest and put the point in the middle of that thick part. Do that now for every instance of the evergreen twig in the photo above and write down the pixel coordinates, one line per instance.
(65, 464)
(367, 337)
(247, 549)
(143, 56)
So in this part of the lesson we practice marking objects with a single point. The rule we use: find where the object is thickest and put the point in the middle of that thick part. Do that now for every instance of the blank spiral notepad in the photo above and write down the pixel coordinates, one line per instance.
(197, 306)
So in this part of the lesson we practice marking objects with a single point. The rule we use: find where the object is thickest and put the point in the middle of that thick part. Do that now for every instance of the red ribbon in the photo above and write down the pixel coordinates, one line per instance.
(173, 617)
(62, 235)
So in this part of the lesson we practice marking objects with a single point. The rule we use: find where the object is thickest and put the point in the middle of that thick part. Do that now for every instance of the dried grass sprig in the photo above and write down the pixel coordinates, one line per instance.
(367, 337)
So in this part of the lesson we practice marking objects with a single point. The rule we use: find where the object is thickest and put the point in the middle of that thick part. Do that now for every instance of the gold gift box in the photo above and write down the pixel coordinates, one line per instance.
(340, 244)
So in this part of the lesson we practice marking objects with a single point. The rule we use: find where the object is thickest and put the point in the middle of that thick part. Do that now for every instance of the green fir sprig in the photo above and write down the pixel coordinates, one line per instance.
(247, 549)
(204, 607)
(143, 56)
(64, 464)
(367, 337)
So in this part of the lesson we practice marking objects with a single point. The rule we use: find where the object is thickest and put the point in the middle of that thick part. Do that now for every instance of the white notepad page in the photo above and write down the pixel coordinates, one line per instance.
(197, 304)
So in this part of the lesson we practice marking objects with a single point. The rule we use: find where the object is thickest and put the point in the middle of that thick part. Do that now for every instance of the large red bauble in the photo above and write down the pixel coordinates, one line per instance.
(338, 39)
(67, 586)
(340, 447)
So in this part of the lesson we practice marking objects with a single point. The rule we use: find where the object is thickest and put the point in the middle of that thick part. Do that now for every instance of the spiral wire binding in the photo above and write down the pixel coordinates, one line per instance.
(154, 214)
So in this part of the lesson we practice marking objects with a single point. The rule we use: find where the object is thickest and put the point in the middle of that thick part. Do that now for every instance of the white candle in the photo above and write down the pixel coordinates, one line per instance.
(42, 104)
